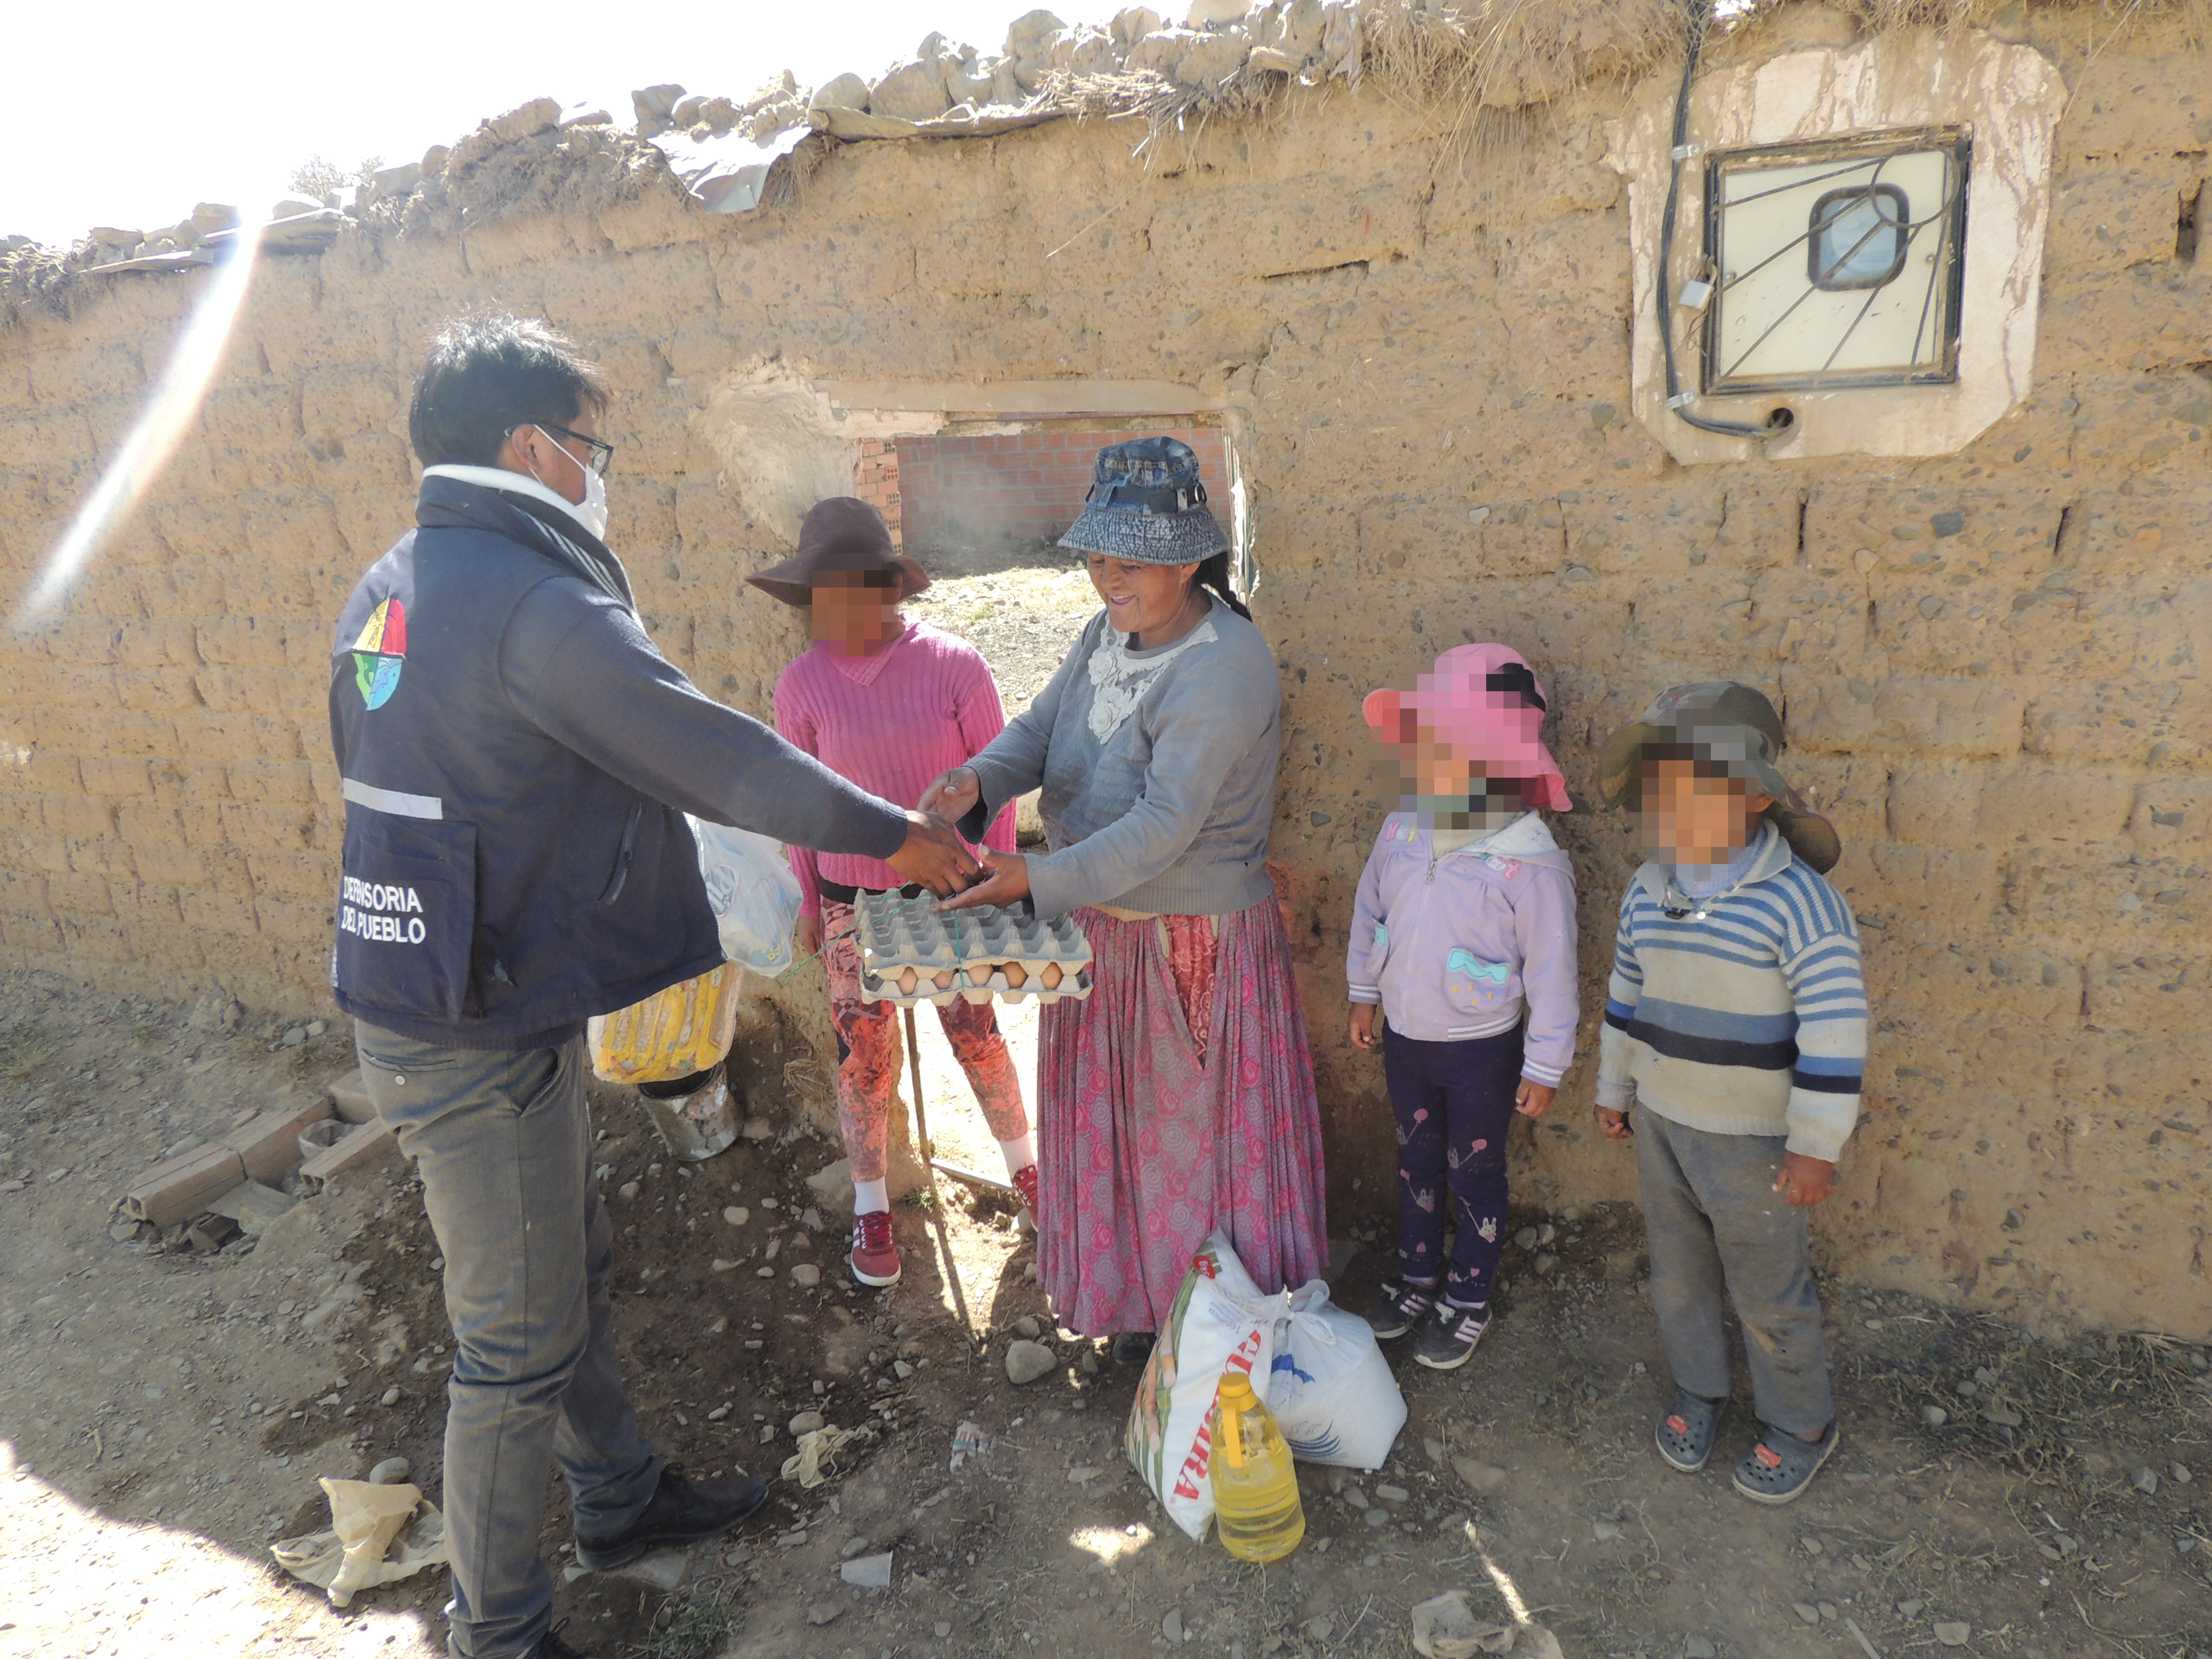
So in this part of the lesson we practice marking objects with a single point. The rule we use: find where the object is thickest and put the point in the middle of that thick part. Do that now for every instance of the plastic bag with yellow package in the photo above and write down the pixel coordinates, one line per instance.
(672, 1033)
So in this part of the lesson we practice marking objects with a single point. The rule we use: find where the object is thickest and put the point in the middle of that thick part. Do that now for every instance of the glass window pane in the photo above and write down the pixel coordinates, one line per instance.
(1859, 236)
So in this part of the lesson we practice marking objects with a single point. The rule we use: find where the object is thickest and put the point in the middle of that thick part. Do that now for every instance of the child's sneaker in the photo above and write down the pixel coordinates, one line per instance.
(1779, 1465)
(1401, 1307)
(875, 1257)
(1446, 1341)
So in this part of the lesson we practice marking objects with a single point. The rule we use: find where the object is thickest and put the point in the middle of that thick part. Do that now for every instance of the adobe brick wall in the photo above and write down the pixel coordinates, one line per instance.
(877, 478)
(963, 492)
(2009, 724)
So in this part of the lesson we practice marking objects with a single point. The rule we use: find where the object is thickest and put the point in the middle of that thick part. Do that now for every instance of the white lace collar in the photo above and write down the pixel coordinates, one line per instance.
(1120, 676)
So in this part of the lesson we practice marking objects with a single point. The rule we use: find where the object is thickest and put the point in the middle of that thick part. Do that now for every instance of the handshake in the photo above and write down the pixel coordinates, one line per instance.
(933, 855)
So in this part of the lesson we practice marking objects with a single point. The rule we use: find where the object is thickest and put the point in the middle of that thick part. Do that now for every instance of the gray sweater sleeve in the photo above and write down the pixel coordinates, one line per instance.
(1202, 721)
(577, 665)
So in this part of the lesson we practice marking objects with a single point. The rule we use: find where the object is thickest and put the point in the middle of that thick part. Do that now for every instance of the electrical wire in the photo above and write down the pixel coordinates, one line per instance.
(1701, 14)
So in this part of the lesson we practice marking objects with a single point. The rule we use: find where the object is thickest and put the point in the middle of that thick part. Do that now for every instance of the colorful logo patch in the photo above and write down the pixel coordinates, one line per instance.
(380, 653)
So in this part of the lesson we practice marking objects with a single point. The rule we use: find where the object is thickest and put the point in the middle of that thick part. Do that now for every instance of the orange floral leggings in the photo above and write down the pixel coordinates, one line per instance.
(869, 1054)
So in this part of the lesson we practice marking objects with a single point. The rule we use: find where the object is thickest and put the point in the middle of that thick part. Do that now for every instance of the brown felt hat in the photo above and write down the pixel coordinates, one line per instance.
(842, 534)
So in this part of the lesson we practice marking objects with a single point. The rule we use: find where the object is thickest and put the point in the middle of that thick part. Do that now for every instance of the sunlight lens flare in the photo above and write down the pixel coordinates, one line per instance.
(170, 411)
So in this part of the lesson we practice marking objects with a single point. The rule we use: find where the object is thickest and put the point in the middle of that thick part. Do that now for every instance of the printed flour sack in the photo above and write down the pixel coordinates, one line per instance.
(1329, 1387)
(1219, 1320)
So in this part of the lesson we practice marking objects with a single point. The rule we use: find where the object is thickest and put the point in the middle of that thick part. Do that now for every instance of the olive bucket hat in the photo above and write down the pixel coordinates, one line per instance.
(1733, 725)
(1147, 506)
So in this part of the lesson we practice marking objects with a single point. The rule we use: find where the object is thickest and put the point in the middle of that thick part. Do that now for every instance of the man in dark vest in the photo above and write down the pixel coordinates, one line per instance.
(516, 758)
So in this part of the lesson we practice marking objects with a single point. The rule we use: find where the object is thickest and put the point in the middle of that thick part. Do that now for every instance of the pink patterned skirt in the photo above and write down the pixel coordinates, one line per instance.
(1177, 1098)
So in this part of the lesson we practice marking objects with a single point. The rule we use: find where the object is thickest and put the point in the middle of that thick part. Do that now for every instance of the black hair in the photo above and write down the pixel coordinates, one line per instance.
(489, 372)
(1213, 573)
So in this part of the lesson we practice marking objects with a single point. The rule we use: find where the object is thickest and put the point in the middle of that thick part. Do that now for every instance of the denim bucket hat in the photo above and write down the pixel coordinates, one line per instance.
(1147, 506)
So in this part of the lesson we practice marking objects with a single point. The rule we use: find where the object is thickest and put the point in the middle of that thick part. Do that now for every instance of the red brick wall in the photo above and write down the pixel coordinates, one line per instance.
(959, 492)
(877, 480)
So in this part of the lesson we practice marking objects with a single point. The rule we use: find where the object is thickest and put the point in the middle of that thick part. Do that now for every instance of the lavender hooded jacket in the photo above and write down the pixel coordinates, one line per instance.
(1455, 947)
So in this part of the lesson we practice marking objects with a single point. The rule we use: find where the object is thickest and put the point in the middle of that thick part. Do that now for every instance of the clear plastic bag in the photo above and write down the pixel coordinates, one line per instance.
(754, 894)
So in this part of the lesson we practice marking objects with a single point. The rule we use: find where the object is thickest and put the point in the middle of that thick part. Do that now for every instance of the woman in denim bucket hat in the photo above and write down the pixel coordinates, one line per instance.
(1179, 1096)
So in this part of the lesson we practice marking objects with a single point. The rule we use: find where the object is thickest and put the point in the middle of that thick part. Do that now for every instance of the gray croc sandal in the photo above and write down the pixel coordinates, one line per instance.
(1779, 1465)
(1685, 1435)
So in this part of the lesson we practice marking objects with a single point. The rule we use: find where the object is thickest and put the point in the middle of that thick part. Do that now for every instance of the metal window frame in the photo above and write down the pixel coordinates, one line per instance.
(1947, 287)
(1817, 229)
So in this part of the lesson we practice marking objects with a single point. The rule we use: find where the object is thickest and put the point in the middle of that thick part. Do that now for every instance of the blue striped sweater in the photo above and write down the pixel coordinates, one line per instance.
(1745, 1015)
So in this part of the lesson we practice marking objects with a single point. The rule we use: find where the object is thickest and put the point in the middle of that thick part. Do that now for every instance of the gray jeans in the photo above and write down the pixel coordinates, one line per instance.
(503, 1145)
(1717, 1228)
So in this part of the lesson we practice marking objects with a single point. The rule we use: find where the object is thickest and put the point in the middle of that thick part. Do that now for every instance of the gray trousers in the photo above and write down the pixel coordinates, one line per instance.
(503, 1145)
(1717, 1229)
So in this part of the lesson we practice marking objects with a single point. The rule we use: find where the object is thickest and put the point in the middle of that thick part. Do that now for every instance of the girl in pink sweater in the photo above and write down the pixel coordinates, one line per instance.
(889, 704)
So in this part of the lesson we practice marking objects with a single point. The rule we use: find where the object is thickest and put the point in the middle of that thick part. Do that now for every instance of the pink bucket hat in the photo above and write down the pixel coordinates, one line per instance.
(1485, 701)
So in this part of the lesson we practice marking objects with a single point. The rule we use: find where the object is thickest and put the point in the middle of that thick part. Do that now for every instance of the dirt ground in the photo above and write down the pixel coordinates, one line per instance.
(164, 1417)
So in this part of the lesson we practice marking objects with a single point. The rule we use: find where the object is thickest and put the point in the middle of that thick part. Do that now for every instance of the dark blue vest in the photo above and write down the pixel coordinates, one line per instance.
(498, 888)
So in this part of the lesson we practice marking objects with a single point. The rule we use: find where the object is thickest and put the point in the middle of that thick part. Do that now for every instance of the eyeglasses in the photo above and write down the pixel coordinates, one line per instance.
(603, 453)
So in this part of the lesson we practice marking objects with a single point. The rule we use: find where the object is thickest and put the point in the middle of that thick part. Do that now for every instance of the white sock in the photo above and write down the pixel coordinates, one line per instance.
(1019, 1152)
(869, 1196)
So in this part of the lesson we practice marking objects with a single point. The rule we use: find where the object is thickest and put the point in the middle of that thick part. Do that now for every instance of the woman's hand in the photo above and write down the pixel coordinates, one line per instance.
(806, 937)
(1007, 882)
(953, 795)
(1614, 1126)
(1363, 1025)
(1533, 1099)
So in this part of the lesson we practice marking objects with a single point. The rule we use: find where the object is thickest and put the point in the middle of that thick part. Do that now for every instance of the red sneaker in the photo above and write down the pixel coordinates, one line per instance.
(1025, 1183)
(875, 1257)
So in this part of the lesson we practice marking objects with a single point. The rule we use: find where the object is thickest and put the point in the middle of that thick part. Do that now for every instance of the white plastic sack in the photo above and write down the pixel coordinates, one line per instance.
(1219, 1320)
(754, 894)
(1329, 1387)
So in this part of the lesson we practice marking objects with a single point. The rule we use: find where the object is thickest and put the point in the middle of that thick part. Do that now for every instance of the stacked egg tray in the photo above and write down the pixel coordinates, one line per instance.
(912, 952)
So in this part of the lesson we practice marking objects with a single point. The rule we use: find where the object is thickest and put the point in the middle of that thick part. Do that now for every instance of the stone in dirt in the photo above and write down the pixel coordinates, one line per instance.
(1482, 1477)
(390, 1472)
(758, 1128)
(868, 1572)
(1027, 1326)
(823, 1613)
(1934, 1416)
(1171, 1625)
(1028, 1361)
(1953, 1633)
(853, 1545)
(833, 1182)
(1806, 1611)
(1697, 1647)
(663, 1569)
(2146, 1480)
(1445, 1627)
(806, 1275)
(806, 1423)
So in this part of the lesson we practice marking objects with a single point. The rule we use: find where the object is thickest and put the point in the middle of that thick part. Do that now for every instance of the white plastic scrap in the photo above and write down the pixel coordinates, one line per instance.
(379, 1534)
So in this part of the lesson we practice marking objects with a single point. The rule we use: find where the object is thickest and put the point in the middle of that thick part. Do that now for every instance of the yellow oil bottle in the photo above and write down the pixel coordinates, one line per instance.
(1255, 1489)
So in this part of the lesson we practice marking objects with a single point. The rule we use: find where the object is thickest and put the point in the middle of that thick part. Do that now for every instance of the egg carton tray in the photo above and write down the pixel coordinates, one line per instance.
(977, 954)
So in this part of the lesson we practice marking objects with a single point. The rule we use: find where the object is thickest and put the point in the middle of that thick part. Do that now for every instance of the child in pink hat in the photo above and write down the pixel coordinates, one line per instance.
(1463, 936)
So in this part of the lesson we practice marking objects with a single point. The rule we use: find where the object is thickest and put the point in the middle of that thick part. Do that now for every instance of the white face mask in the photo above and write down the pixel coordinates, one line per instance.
(592, 511)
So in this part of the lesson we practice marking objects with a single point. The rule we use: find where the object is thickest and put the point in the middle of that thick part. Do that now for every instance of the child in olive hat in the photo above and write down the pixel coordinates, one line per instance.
(1735, 1021)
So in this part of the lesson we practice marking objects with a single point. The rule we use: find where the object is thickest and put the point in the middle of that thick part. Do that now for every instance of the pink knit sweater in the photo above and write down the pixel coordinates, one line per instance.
(891, 722)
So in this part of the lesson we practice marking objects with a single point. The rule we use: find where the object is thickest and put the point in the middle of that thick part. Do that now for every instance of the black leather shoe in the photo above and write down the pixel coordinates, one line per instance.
(682, 1511)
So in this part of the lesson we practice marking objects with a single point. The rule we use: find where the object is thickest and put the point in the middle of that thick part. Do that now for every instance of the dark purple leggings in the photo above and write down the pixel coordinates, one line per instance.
(1454, 1102)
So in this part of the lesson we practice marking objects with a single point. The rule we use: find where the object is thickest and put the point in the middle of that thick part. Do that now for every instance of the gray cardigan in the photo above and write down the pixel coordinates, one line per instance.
(1170, 811)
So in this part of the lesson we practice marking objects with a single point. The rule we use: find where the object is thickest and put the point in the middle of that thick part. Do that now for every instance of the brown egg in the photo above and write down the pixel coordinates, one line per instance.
(979, 974)
(944, 980)
(1050, 977)
(906, 982)
(1017, 975)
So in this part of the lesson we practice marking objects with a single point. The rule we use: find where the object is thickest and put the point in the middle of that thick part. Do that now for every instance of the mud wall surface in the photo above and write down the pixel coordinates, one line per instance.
(1993, 665)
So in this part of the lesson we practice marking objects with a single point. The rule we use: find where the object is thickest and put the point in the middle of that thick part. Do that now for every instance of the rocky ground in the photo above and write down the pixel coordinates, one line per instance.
(165, 1415)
